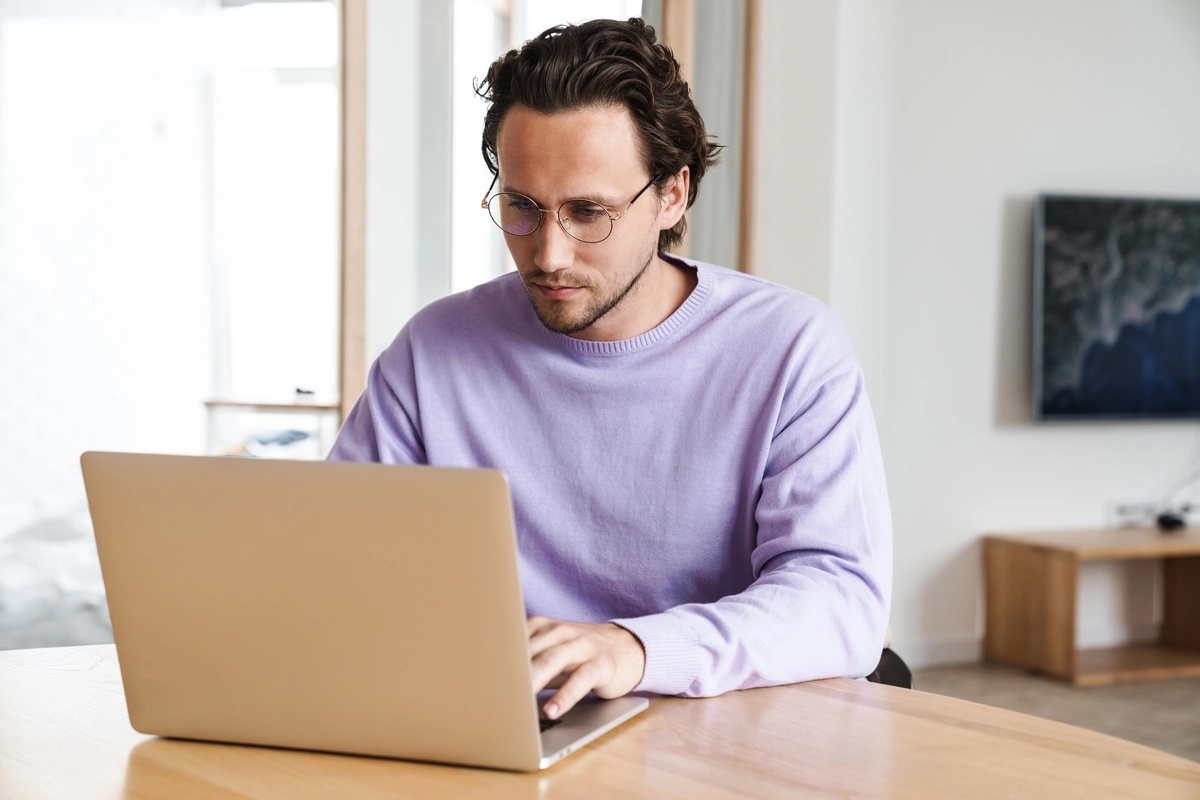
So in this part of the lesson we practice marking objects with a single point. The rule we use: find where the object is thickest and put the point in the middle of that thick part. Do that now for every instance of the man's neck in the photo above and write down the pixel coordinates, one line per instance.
(663, 288)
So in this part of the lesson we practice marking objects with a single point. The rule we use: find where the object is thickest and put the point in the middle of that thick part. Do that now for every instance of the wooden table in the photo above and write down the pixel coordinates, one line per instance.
(64, 734)
(1033, 591)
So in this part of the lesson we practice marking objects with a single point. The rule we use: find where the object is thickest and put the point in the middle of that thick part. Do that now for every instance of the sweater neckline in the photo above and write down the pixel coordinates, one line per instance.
(662, 331)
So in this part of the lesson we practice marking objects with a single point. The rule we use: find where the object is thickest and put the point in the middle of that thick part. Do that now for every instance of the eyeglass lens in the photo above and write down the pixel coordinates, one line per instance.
(581, 219)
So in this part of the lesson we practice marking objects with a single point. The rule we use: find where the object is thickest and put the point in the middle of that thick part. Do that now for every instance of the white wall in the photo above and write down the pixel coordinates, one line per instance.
(940, 121)
(790, 236)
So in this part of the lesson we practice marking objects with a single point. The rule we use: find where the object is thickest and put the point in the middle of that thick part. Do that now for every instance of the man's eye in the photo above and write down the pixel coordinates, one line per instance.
(522, 205)
(584, 213)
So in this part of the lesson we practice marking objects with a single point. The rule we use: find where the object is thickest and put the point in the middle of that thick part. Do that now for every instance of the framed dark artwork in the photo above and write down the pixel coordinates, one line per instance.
(1116, 308)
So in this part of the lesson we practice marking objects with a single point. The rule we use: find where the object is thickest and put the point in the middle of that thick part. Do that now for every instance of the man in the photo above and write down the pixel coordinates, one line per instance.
(696, 479)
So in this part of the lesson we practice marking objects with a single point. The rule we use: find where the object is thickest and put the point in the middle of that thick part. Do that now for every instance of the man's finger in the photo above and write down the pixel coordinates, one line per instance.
(548, 636)
(574, 689)
(557, 681)
(553, 661)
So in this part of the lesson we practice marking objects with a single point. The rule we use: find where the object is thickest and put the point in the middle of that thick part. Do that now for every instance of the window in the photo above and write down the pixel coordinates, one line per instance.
(168, 225)
(275, 192)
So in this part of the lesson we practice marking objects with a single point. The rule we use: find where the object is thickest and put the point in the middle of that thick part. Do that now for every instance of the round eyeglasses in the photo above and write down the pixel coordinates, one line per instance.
(582, 220)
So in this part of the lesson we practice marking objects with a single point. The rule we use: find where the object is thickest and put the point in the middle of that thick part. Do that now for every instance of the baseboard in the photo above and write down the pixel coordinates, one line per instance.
(940, 652)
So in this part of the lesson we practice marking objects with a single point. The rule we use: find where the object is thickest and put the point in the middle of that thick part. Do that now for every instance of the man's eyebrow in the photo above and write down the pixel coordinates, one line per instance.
(508, 187)
(610, 202)
(595, 197)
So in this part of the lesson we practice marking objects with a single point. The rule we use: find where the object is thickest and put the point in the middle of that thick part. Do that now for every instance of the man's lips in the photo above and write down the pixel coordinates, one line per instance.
(555, 292)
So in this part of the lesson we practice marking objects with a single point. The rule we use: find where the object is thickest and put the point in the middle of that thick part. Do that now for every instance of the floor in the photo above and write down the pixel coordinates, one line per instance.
(1164, 715)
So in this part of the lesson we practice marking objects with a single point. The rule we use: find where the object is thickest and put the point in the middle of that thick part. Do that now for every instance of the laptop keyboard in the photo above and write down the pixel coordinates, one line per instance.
(547, 724)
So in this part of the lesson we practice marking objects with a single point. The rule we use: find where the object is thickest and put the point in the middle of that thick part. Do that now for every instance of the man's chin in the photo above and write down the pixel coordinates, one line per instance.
(562, 323)
(558, 317)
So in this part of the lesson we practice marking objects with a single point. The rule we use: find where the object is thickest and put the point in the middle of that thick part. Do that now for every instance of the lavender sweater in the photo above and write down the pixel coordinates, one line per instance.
(714, 485)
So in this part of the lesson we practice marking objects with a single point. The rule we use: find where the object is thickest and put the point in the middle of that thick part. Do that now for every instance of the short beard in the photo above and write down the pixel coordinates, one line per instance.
(598, 309)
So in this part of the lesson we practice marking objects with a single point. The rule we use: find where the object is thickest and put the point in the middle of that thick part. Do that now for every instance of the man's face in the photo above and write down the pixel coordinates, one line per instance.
(599, 291)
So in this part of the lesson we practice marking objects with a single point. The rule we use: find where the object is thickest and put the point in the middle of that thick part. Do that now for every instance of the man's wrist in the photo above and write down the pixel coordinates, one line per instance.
(636, 651)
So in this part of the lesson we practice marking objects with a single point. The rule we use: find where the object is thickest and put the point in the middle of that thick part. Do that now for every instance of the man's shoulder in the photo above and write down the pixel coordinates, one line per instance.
(774, 321)
(751, 298)
(491, 301)
(462, 320)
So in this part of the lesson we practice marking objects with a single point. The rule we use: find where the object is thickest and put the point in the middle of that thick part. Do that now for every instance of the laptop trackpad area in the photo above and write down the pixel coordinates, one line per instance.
(589, 719)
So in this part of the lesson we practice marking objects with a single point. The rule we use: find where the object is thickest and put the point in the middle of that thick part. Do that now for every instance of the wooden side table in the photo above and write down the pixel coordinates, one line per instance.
(1032, 591)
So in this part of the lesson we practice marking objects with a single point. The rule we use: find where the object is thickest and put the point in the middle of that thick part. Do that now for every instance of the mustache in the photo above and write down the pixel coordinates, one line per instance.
(558, 280)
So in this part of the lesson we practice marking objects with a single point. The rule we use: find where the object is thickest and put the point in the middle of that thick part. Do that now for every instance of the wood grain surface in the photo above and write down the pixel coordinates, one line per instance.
(64, 734)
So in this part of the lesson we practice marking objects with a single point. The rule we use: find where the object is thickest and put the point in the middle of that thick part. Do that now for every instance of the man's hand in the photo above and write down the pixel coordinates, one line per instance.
(580, 657)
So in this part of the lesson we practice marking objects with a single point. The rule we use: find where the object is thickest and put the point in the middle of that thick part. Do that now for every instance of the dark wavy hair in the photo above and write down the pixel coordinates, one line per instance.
(606, 63)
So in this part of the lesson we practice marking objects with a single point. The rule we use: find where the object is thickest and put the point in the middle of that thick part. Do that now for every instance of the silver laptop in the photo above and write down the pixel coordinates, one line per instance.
(354, 608)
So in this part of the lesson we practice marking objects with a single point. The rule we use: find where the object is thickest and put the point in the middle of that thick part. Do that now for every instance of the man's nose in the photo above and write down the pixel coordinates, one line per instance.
(555, 249)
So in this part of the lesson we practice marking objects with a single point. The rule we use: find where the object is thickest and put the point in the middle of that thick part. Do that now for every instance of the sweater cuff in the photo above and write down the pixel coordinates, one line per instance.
(671, 653)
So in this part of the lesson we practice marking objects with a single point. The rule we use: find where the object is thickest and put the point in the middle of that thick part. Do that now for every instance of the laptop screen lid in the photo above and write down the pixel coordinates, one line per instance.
(347, 607)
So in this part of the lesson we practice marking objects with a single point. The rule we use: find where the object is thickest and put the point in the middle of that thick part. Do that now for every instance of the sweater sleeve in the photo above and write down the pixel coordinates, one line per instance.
(384, 424)
(819, 603)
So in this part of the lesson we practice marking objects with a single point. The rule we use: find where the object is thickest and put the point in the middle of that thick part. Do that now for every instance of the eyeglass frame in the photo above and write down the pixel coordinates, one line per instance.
(542, 212)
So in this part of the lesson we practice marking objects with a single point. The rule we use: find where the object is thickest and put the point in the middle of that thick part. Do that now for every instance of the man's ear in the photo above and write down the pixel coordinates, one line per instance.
(674, 200)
